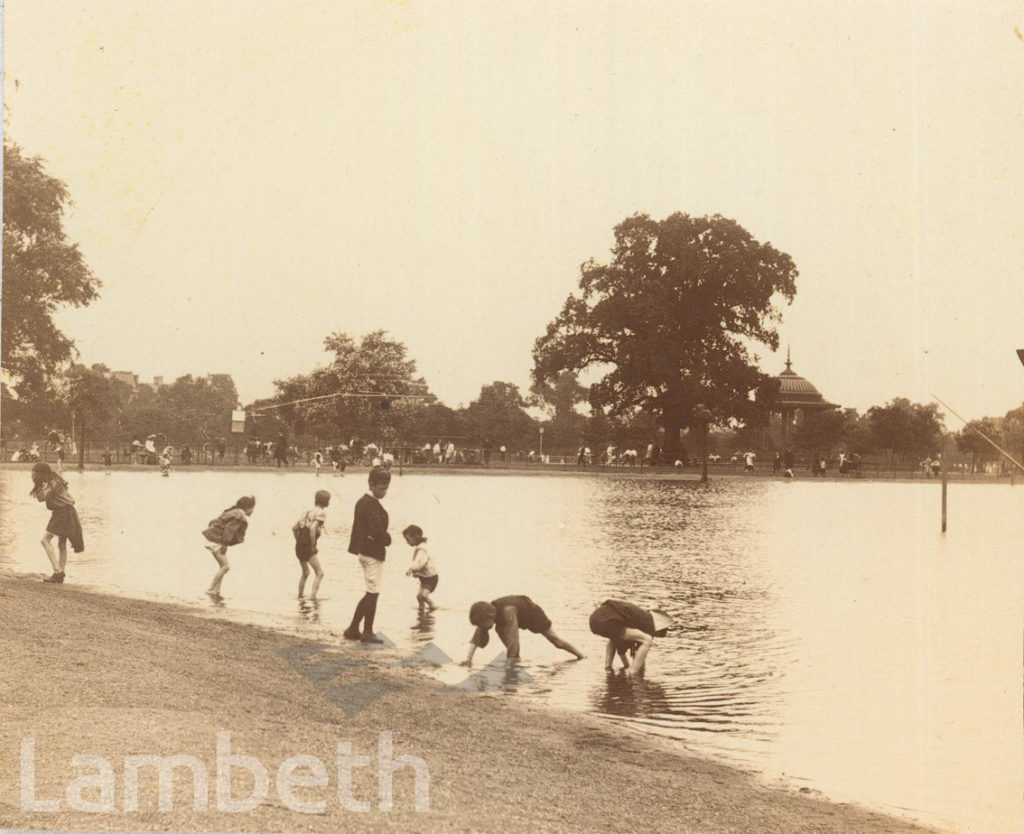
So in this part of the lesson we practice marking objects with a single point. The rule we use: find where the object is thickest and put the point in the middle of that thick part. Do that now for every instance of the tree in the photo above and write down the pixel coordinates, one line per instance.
(369, 389)
(189, 410)
(670, 318)
(1013, 432)
(970, 440)
(499, 415)
(559, 399)
(821, 431)
(93, 399)
(908, 429)
(41, 271)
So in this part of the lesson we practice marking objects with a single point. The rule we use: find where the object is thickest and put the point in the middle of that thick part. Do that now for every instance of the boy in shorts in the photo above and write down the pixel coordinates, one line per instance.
(307, 531)
(369, 541)
(507, 615)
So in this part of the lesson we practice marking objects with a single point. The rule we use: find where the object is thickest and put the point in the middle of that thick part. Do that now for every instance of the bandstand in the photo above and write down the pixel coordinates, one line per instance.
(796, 397)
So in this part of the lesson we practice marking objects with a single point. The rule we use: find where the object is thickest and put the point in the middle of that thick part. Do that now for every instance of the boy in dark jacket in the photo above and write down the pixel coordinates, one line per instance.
(368, 542)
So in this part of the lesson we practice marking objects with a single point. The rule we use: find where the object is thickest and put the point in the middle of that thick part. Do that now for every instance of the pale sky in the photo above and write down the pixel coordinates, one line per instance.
(250, 176)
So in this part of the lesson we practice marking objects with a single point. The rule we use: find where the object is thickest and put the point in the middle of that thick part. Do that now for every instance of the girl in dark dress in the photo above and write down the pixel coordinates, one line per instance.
(50, 487)
(224, 531)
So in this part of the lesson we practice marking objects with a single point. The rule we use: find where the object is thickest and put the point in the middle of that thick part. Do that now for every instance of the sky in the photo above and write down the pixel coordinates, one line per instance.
(249, 177)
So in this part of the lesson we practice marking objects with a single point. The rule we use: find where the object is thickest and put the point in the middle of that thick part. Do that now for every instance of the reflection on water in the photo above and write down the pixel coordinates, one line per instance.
(309, 610)
(827, 633)
(632, 697)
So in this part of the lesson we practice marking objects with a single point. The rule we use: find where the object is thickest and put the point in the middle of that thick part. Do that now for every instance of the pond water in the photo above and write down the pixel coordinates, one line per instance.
(830, 637)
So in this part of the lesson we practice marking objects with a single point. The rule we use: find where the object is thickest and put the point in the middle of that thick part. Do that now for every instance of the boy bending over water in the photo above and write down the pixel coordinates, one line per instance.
(507, 615)
(628, 627)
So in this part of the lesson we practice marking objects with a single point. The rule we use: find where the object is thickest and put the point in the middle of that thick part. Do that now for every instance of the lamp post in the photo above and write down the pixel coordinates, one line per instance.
(702, 416)
(540, 431)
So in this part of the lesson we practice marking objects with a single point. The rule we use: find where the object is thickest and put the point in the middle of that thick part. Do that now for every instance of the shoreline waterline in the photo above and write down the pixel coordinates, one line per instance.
(121, 676)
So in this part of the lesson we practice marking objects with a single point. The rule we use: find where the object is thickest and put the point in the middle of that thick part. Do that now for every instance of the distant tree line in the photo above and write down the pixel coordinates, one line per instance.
(663, 330)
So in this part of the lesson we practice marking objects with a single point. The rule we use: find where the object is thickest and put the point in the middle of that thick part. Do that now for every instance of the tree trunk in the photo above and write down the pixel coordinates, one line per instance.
(672, 424)
(704, 454)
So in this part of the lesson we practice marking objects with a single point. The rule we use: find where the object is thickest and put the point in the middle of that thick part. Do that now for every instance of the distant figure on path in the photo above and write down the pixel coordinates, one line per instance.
(165, 461)
(748, 462)
(776, 464)
(507, 615)
(307, 531)
(787, 463)
(48, 486)
(280, 451)
(422, 566)
(227, 530)
(628, 627)
(369, 541)
(108, 459)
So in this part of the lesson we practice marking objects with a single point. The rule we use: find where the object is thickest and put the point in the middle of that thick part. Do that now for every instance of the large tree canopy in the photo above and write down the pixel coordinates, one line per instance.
(670, 318)
(41, 270)
(498, 417)
(369, 390)
(909, 429)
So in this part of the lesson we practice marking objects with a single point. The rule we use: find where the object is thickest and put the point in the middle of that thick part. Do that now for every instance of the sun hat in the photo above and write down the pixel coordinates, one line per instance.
(661, 619)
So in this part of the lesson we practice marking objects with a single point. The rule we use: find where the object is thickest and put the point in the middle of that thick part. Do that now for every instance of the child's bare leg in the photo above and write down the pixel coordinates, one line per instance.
(47, 543)
(609, 655)
(644, 641)
(319, 571)
(555, 640)
(221, 555)
(302, 579)
(62, 547)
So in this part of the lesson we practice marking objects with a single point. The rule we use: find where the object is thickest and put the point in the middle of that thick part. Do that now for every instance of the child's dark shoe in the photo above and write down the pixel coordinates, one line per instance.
(351, 634)
(56, 579)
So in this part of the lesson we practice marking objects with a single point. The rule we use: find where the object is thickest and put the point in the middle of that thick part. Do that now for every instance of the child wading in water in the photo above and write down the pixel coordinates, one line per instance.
(628, 627)
(48, 486)
(506, 615)
(422, 566)
(225, 530)
(369, 541)
(307, 531)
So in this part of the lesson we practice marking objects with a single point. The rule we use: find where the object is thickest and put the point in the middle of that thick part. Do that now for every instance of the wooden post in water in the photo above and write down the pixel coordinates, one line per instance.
(945, 479)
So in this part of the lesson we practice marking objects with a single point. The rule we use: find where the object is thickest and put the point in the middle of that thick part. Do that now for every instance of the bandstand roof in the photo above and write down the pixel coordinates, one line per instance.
(797, 392)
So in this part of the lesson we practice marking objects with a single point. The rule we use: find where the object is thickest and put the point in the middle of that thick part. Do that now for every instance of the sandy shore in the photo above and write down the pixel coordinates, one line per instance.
(85, 673)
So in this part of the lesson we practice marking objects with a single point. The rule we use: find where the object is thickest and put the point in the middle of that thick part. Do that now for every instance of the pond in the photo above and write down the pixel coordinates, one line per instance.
(830, 636)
